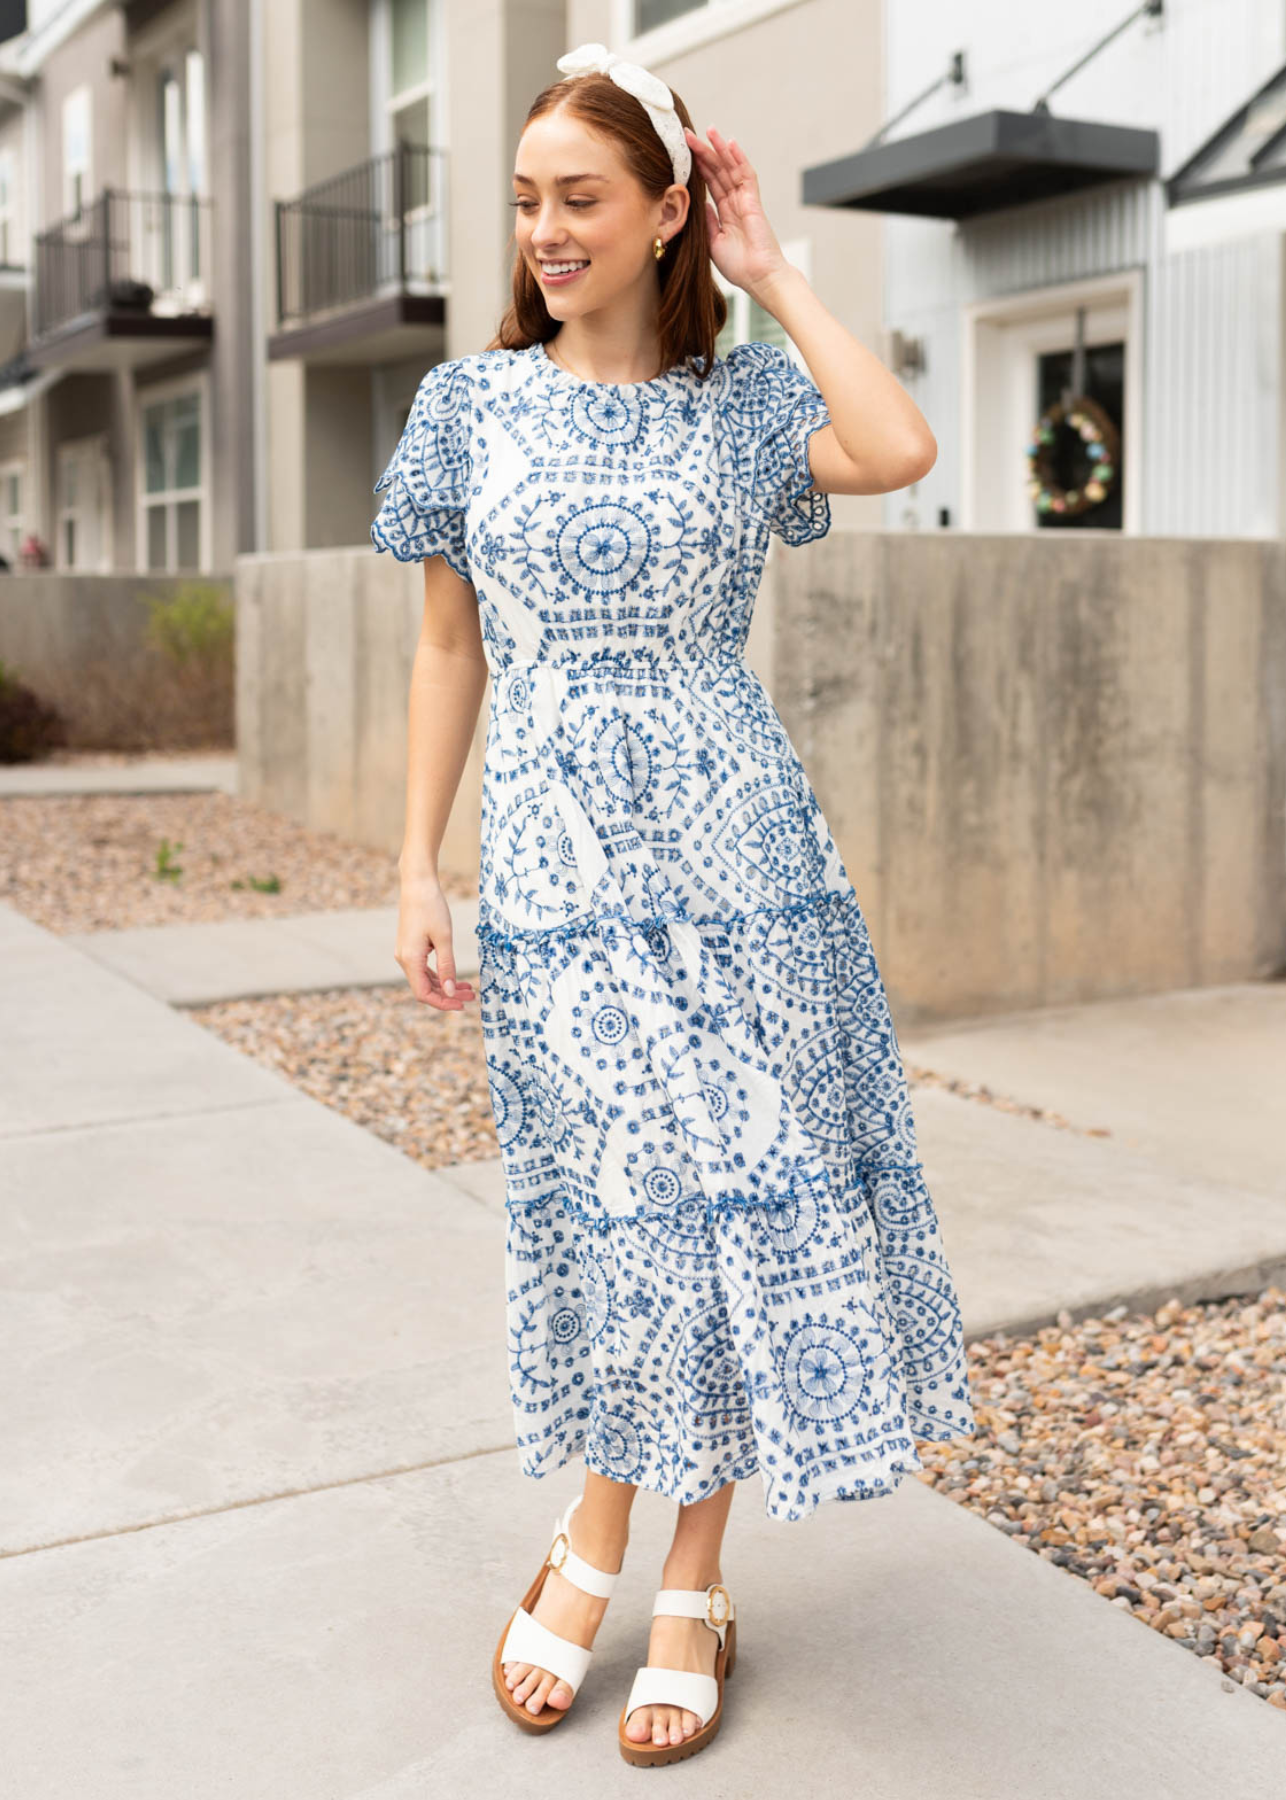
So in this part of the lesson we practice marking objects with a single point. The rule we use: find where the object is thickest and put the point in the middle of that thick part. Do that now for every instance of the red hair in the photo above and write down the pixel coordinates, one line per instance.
(692, 309)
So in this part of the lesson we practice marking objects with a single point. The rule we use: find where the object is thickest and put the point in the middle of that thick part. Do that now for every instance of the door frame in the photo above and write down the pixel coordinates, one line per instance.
(1001, 338)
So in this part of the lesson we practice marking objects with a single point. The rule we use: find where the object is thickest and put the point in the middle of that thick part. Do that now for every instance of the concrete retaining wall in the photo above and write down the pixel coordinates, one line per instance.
(1054, 763)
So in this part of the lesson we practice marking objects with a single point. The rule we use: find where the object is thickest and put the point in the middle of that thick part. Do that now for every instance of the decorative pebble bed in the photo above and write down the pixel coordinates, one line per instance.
(1145, 1453)
(412, 1074)
(99, 862)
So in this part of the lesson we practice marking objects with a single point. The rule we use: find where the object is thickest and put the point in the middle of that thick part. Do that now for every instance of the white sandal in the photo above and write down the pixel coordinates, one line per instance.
(526, 1639)
(696, 1693)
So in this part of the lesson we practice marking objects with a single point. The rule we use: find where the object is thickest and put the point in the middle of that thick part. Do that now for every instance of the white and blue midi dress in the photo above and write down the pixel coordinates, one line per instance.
(720, 1253)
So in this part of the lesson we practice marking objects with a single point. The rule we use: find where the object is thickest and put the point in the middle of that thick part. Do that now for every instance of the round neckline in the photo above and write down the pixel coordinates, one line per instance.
(617, 387)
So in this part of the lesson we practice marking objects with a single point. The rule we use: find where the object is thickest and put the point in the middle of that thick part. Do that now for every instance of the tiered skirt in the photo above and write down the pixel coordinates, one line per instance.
(721, 1255)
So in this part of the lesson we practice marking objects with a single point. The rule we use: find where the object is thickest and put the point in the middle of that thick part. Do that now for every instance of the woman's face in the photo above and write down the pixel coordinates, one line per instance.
(601, 219)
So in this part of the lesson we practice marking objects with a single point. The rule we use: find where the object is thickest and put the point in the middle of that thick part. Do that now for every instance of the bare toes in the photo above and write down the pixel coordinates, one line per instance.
(560, 1694)
(536, 1699)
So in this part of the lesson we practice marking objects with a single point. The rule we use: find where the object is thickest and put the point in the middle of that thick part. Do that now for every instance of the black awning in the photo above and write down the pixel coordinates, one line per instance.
(979, 165)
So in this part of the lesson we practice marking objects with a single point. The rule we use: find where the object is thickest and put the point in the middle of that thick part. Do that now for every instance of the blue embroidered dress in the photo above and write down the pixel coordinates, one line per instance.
(721, 1256)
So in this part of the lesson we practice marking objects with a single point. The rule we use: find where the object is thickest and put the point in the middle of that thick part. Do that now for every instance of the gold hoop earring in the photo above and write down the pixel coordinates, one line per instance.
(658, 247)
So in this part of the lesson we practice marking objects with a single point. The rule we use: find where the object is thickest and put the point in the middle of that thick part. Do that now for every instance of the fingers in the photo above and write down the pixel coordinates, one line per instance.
(723, 163)
(429, 985)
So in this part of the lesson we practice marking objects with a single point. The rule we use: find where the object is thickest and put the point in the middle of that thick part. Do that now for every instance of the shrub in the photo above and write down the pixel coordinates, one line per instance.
(196, 625)
(28, 726)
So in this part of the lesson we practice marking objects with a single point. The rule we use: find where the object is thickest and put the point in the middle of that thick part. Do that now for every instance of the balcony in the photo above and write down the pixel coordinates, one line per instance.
(361, 261)
(123, 282)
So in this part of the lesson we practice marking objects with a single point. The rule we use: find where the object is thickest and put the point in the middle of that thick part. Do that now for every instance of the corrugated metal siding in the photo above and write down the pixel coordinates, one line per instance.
(1214, 381)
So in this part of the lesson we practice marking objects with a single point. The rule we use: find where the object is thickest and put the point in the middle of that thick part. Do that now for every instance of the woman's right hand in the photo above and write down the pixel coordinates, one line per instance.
(424, 924)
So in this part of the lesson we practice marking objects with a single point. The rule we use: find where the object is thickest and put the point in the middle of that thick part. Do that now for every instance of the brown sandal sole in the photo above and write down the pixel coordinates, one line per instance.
(548, 1716)
(645, 1755)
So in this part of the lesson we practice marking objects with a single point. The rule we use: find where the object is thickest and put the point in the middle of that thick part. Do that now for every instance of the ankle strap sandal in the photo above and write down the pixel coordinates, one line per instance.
(525, 1639)
(696, 1693)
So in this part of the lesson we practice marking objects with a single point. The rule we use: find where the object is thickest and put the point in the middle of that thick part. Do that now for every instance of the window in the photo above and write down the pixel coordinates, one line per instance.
(406, 51)
(747, 322)
(648, 31)
(410, 85)
(172, 498)
(12, 475)
(8, 239)
(83, 506)
(77, 157)
(180, 153)
(181, 123)
(648, 14)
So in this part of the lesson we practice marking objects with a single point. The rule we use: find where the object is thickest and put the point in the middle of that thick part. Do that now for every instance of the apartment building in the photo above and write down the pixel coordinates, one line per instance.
(235, 233)
(124, 394)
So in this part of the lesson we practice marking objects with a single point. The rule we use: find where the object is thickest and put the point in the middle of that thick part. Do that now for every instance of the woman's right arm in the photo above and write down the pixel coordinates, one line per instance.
(448, 680)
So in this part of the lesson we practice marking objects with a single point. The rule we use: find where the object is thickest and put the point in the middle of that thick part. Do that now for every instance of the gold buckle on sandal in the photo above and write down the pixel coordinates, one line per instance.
(557, 1562)
(717, 1587)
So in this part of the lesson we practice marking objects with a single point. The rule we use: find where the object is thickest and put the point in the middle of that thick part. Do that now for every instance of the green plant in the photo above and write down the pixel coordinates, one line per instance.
(194, 624)
(270, 884)
(166, 868)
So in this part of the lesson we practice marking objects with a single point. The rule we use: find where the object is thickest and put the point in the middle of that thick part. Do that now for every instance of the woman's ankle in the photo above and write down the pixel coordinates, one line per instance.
(602, 1545)
(686, 1572)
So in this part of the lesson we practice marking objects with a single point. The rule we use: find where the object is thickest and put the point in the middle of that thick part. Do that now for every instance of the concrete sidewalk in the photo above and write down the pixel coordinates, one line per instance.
(138, 775)
(238, 959)
(260, 1502)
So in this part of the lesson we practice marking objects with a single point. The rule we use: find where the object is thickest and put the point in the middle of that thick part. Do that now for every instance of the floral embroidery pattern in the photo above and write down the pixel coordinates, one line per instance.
(721, 1256)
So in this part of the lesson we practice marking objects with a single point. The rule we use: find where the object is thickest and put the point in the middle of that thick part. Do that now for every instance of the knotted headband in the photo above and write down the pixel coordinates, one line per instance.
(648, 89)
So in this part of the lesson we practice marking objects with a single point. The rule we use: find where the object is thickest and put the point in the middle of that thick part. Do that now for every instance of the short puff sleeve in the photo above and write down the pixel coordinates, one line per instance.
(429, 474)
(778, 407)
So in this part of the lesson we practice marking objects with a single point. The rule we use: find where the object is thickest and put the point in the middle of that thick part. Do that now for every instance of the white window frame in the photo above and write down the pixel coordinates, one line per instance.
(145, 502)
(428, 224)
(171, 41)
(746, 321)
(13, 527)
(1001, 339)
(8, 205)
(79, 98)
(91, 452)
(702, 25)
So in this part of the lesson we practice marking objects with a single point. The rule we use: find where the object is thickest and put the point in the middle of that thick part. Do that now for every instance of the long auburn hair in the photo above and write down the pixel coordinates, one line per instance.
(692, 309)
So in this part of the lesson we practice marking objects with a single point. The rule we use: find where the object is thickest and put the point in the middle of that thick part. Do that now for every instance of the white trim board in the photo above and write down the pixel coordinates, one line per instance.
(1000, 338)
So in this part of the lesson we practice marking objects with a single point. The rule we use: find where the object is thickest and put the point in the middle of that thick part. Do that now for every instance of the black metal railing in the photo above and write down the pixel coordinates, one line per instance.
(147, 252)
(376, 227)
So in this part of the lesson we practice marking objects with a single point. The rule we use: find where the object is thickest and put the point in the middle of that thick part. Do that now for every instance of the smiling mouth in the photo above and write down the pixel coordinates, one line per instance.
(556, 280)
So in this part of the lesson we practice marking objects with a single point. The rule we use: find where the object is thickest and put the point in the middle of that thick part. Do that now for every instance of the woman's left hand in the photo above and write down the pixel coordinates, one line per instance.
(743, 246)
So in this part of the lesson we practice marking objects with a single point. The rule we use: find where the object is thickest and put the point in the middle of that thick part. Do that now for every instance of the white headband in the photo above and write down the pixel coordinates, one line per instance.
(649, 89)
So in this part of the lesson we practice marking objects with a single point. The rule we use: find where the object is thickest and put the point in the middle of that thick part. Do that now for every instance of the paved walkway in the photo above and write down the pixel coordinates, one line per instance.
(260, 1509)
(140, 775)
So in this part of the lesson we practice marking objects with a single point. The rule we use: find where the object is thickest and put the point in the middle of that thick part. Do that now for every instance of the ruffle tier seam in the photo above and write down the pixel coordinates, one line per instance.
(712, 1207)
(524, 937)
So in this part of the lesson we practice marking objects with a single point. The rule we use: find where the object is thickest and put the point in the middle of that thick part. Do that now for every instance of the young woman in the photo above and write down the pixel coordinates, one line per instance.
(721, 1257)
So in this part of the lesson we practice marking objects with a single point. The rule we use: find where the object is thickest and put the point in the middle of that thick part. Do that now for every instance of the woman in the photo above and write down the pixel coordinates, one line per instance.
(721, 1257)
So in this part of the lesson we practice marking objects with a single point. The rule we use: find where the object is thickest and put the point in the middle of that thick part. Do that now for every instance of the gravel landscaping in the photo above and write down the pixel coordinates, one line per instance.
(412, 1074)
(1146, 1454)
(102, 862)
